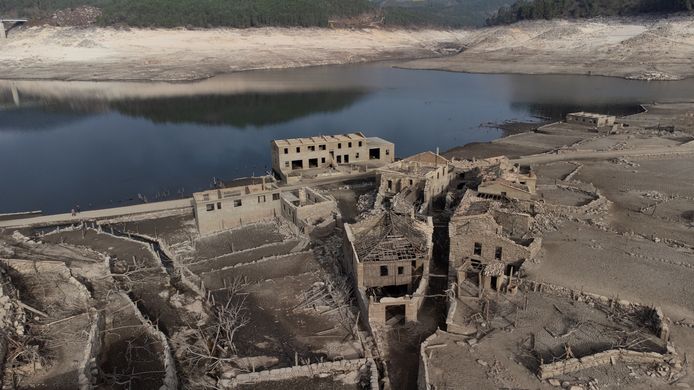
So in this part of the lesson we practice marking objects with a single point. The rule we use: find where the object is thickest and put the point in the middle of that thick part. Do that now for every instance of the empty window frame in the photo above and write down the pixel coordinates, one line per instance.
(275, 196)
(387, 152)
(238, 203)
(401, 270)
(322, 160)
(339, 145)
(384, 270)
(349, 144)
(360, 144)
(321, 147)
(286, 150)
(478, 249)
(209, 207)
(312, 148)
(261, 199)
(219, 205)
(356, 155)
(298, 149)
(498, 253)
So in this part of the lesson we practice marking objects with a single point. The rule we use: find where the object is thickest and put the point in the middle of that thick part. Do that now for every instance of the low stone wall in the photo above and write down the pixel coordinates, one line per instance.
(87, 376)
(605, 358)
(423, 378)
(659, 325)
(170, 380)
(311, 370)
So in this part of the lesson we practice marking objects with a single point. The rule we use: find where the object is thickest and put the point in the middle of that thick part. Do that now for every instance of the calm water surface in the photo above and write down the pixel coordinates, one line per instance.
(102, 144)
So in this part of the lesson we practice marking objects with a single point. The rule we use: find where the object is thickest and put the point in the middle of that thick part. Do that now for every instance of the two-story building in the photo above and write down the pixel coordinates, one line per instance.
(388, 257)
(489, 242)
(293, 157)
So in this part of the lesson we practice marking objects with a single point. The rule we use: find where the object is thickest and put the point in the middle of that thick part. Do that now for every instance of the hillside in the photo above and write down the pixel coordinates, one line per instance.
(255, 13)
(639, 48)
(449, 13)
(573, 9)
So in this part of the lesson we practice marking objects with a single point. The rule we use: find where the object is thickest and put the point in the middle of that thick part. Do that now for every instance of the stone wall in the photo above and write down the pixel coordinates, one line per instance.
(659, 324)
(464, 234)
(605, 358)
(367, 366)
(226, 215)
(87, 376)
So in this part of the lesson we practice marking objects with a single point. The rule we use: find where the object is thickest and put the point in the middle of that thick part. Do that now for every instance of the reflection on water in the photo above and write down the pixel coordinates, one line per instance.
(102, 144)
(251, 109)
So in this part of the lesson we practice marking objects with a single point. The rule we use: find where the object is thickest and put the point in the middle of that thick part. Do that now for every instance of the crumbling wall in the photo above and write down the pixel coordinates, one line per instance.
(225, 215)
(424, 378)
(365, 366)
(605, 358)
(319, 210)
(463, 246)
(659, 324)
(513, 223)
(89, 370)
(436, 183)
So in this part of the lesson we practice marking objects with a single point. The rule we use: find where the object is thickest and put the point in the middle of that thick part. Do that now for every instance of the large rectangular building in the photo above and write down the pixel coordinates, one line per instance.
(292, 157)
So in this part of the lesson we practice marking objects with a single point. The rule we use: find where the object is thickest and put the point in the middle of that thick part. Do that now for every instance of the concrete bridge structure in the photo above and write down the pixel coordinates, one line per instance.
(8, 24)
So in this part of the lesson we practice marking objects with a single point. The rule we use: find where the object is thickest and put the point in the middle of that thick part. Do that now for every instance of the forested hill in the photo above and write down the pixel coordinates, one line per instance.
(255, 13)
(551, 9)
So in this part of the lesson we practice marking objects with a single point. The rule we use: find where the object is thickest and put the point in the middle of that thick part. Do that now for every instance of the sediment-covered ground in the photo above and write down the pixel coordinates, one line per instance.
(640, 48)
(91, 53)
(650, 49)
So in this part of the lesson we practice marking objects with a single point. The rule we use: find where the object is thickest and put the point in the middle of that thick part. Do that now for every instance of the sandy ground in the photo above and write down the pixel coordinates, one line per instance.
(631, 48)
(139, 54)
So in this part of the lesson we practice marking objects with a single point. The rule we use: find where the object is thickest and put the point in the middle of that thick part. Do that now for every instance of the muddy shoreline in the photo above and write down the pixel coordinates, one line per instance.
(637, 48)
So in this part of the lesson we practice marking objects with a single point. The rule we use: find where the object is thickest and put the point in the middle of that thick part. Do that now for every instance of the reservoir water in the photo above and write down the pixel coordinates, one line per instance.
(107, 144)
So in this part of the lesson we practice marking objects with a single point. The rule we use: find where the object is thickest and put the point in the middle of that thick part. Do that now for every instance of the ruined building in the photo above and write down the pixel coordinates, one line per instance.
(414, 182)
(590, 119)
(489, 241)
(292, 158)
(498, 178)
(251, 200)
(388, 257)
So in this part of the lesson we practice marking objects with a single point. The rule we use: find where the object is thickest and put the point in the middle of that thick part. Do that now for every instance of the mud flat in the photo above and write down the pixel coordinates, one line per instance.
(644, 49)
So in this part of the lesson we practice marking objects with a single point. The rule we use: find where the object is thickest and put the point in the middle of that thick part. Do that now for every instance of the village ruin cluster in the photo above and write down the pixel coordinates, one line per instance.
(346, 268)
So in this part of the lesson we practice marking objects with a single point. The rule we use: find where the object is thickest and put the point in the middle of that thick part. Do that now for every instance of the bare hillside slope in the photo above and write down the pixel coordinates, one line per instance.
(176, 54)
(632, 48)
